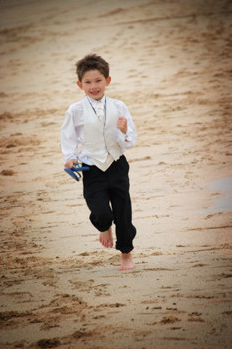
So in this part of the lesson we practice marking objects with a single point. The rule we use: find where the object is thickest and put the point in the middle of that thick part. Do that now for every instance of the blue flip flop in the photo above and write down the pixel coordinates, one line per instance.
(72, 171)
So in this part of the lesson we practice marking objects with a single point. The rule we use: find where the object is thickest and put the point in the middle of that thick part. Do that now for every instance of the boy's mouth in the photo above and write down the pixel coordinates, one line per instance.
(95, 92)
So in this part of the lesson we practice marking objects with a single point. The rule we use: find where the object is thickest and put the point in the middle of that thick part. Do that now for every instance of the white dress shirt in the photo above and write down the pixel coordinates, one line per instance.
(72, 131)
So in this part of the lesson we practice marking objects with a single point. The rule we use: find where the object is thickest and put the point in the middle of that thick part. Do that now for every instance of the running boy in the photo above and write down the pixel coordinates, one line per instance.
(96, 132)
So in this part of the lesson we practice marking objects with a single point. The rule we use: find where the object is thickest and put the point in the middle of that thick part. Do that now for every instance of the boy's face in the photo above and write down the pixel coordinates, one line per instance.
(93, 84)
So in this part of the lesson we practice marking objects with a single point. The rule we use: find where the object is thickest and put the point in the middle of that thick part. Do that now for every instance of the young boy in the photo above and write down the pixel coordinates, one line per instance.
(96, 132)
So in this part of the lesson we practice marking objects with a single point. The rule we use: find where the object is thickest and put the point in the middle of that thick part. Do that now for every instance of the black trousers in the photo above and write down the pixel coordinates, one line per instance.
(107, 196)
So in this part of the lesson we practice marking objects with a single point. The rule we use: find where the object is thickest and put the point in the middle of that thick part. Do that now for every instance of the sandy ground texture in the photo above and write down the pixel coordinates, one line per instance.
(171, 63)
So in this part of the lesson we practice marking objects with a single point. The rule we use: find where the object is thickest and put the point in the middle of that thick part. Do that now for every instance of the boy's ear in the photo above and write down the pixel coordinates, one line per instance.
(79, 84)
(108, 80)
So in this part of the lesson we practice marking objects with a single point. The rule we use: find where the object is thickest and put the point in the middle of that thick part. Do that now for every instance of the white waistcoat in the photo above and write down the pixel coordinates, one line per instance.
(100, 141)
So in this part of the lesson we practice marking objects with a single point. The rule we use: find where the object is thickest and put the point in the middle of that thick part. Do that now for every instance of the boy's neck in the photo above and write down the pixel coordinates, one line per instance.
(97, 100)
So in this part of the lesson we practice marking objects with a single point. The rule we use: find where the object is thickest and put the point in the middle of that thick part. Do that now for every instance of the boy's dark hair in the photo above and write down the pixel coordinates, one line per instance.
(92, 62)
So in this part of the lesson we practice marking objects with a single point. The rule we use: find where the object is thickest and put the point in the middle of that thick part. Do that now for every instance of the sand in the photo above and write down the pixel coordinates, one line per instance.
(171, 64)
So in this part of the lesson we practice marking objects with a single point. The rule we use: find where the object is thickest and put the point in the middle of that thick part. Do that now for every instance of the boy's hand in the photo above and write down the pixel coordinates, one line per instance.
(122, 124)
(70, 163)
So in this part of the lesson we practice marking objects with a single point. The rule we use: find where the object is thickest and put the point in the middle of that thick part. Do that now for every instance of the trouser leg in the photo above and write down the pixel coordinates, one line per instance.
(101, 215)
(125, 231)
(121, 205)
(97, 198)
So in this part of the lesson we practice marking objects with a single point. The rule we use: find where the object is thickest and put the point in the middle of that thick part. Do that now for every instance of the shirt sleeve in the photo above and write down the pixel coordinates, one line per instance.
(69, 139)
(127, 140)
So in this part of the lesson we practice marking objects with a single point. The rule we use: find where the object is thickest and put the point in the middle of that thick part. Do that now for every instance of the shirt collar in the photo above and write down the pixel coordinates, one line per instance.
(94, 102)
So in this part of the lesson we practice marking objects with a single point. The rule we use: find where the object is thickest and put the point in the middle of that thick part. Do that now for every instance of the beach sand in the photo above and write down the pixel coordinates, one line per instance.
(171, 64)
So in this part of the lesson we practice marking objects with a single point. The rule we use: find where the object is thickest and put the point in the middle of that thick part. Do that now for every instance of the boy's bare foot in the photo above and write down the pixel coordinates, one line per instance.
(126, 261)
(106, 238)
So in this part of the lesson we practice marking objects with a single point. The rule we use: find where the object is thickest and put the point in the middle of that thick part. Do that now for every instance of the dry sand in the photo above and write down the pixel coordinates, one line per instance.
(171, 63)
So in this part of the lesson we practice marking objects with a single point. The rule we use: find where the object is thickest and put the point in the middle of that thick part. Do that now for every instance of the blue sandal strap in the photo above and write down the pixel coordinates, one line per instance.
(76, 169)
